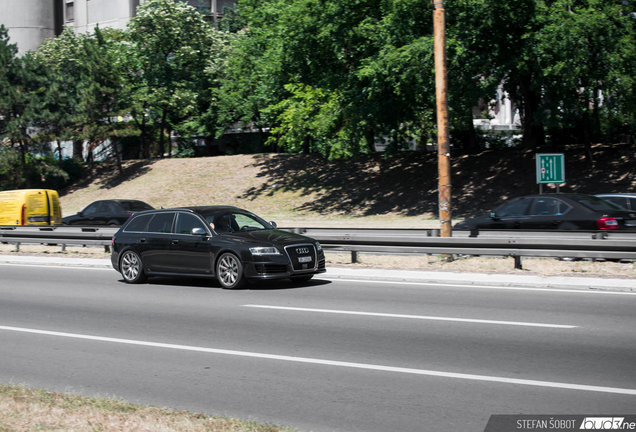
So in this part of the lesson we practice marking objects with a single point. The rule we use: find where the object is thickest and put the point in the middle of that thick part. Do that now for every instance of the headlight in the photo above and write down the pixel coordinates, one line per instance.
(318, 247)
(264, 251)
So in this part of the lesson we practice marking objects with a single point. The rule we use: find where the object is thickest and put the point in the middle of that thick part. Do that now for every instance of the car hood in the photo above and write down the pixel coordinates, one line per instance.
(274, 236)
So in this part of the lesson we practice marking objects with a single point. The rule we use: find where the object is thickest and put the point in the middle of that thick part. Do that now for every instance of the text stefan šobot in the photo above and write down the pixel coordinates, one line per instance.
(538, 423)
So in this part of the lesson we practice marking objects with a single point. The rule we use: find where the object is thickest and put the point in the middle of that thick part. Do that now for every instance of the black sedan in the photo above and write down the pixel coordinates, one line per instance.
(555, 211)
(223, 242)
(107, 212)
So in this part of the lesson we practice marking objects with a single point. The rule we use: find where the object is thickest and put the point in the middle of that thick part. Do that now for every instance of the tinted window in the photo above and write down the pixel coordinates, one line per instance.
(514, 208)
(135, 206)
(161, 222)
(619, 201)
(187, 222)
(92, 208)
(597, 204)
(633, 203)
(139, 223)
(109, 207)
(548, 206)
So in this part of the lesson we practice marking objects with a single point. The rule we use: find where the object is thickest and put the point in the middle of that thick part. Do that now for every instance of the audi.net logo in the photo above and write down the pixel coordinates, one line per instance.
(606, 423)
(302, 250)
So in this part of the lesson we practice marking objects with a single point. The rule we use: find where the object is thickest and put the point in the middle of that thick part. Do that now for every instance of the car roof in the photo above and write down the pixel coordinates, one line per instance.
(558, 195)
(200, 209)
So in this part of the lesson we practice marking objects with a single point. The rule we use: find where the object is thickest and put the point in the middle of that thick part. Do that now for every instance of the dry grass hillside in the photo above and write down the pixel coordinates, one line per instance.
(296, 190)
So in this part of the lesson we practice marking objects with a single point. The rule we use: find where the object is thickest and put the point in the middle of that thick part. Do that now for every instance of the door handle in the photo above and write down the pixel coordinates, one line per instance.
(142, 240)
(175, 241)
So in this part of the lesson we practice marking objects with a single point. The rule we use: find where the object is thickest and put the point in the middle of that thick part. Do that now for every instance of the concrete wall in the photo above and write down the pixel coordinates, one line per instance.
(26, 28)
(106, 13)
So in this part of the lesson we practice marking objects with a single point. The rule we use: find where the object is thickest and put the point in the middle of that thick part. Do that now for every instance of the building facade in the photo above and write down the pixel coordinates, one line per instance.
(31, 22)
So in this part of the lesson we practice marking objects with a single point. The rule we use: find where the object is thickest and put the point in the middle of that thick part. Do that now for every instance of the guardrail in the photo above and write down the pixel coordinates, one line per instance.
(57, 235)
(515, 243)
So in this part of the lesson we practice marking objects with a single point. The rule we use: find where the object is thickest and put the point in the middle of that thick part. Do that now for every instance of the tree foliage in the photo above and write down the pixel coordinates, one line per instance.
(334, 77)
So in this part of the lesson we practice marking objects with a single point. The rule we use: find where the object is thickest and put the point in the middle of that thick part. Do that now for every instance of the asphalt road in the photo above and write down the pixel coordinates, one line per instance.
(332, 355)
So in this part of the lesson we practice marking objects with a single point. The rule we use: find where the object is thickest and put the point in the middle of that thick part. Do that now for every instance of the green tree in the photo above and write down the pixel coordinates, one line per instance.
(586, 50)
(178, 55)
(100, 91)
(60, 60)
(369, 62)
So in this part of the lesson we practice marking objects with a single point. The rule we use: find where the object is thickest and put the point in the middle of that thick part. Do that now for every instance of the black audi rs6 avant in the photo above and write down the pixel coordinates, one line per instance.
(227, 243)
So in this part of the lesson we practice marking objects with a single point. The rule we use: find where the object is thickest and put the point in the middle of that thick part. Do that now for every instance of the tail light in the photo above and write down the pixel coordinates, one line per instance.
(23, 215)
(607, 223)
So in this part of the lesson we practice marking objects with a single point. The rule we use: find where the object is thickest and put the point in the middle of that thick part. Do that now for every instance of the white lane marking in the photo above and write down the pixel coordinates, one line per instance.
(57, 266)
(421, 317)
(494, 287)
(495, 379)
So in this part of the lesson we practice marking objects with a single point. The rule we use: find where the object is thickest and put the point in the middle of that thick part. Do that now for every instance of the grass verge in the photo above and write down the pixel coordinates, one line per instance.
(23, 409)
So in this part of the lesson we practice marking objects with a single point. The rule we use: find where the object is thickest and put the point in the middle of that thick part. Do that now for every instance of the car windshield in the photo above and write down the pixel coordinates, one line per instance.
(597, 204)
(135, 206)
(235, 222)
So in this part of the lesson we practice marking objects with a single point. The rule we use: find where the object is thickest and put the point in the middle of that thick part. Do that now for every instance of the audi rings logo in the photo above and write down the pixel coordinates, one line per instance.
(302, 251)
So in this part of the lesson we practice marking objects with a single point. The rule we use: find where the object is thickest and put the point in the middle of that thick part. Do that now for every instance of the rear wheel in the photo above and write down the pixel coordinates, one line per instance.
(131, 268)
(229, 271)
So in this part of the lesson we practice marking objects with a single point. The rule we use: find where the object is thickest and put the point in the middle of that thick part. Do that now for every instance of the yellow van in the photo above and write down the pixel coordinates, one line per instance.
(30, 207)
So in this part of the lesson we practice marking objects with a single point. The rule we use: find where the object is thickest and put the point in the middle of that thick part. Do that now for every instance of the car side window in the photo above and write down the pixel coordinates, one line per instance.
(187, 222)
(548, 206)
(138, 224)
(91, 209)
(515, 208)
(633, 203)
(161, 223)
(108, 207)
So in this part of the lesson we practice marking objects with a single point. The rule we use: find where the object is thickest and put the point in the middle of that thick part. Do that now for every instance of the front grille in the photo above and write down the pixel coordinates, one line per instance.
(270, 268)
(302, 256)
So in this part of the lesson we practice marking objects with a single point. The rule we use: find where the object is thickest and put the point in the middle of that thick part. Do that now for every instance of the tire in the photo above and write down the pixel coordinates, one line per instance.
(304, 278)
(229, 271)
(132, 268)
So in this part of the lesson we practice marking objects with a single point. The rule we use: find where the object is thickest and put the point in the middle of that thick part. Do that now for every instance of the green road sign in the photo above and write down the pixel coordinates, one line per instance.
(550, 168)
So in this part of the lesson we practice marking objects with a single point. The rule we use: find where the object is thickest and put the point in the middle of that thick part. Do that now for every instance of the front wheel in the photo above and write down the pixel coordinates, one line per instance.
(131, 268)
(229, 271)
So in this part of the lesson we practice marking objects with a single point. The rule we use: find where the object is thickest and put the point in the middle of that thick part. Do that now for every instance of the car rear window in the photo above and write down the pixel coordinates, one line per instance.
(135, 206)
(598, 204)
(138, 224)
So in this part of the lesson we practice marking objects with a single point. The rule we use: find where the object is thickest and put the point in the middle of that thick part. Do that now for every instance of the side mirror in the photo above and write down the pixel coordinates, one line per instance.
(79, 213)
(272, 223)
(198, 231)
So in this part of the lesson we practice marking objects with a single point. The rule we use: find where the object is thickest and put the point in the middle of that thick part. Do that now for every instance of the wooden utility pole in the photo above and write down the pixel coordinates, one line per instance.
(443, 142)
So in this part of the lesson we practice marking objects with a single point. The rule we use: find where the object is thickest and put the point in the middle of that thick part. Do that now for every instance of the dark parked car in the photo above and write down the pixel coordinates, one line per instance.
(625, 200)
(555, 211)
(223, 242)
(106, 212)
